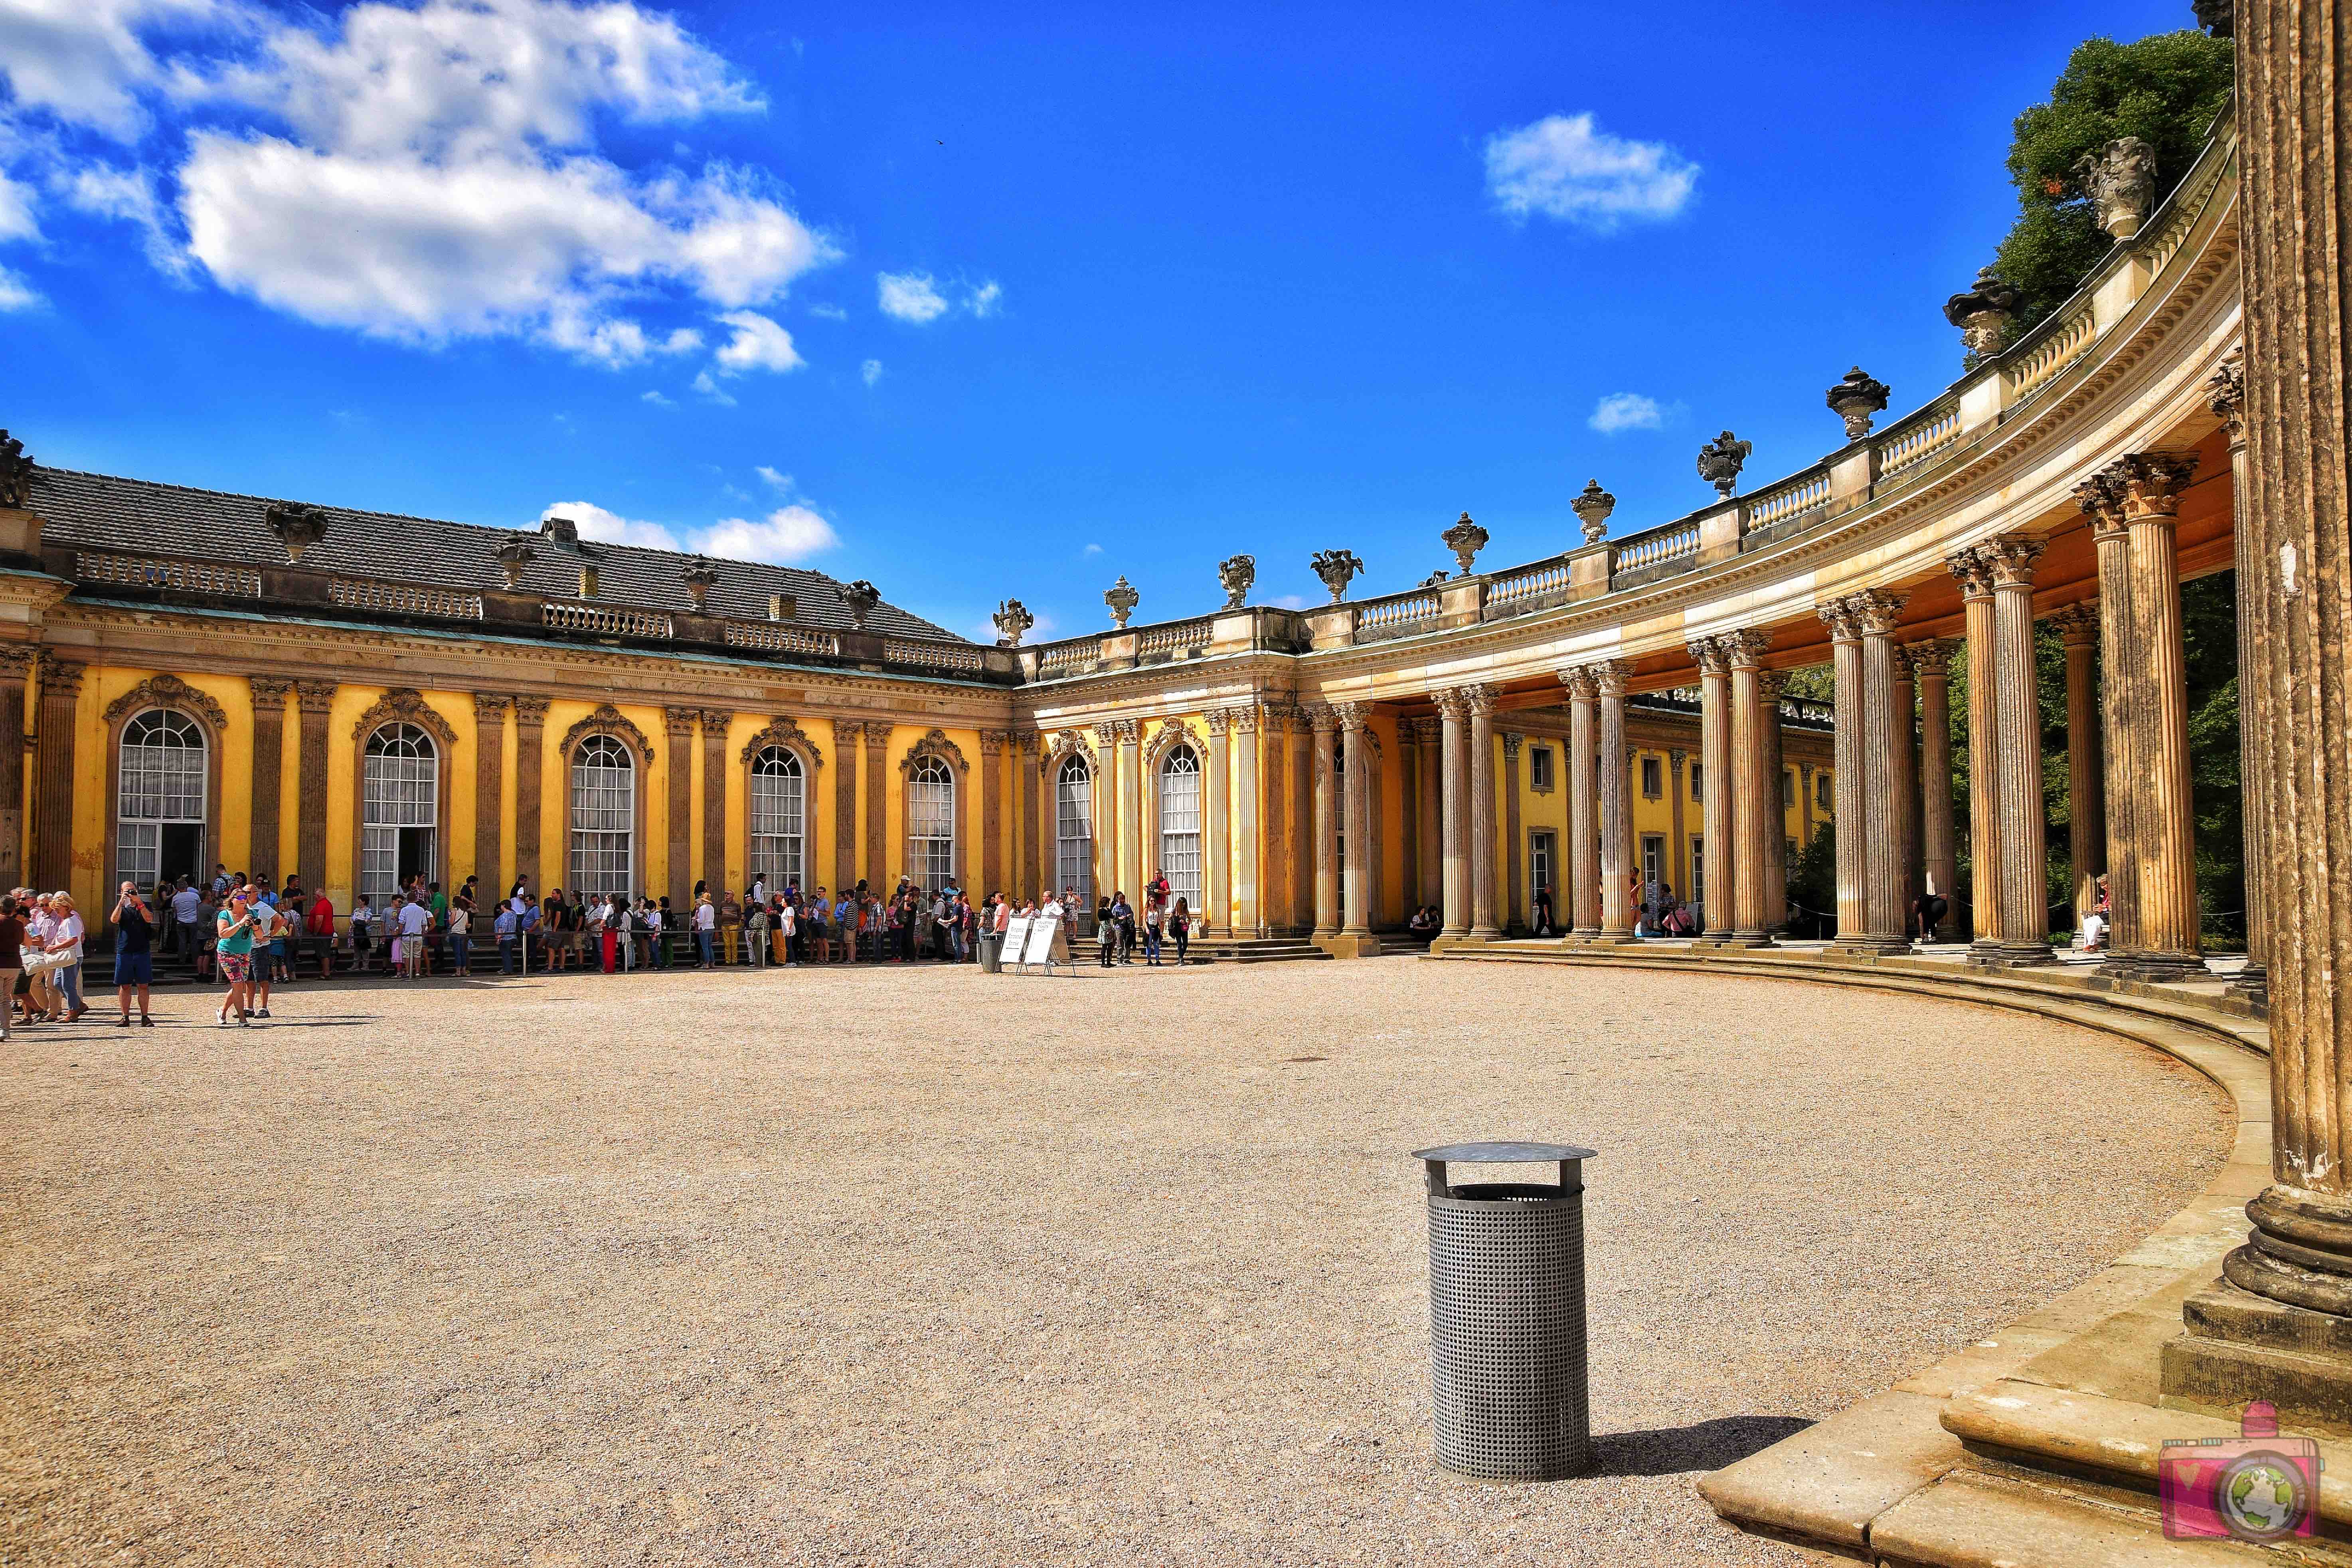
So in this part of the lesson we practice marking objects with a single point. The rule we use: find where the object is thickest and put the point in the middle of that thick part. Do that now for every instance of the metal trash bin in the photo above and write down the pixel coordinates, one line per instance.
(992, 952)
(1507, 1389)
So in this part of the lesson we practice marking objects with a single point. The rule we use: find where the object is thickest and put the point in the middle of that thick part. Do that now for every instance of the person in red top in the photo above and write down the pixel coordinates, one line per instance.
(321, 925)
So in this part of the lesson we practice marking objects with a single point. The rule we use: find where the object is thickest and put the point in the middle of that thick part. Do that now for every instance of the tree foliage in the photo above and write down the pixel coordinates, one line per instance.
(2165, 89)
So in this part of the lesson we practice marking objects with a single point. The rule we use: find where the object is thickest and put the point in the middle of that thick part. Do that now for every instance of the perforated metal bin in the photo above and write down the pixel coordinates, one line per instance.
(1507, 1316)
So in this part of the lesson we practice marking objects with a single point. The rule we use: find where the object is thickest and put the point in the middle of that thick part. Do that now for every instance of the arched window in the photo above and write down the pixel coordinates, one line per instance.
(160, 812)
(778, 798)
(931, 823)
(1180, 826)
(1074, 830)
(604, 817)
(400, 809)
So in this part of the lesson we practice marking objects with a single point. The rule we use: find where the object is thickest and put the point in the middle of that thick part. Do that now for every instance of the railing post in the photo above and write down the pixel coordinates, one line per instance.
(1720, 532)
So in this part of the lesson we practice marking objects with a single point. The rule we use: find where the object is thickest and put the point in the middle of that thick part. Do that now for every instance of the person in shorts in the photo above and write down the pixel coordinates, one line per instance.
(233, 933)
(414, 916)
(134, 960)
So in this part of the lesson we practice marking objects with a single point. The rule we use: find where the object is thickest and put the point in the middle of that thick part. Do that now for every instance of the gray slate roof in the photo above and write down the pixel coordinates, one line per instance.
(139, 517)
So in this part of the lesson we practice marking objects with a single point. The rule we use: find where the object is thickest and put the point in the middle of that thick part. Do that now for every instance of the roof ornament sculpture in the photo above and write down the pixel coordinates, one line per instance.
(1237, 573)
(1721, 460)
(1466, 539)
(16, 472)
(1983, 313)
(1855, 399)
(513, 556)
(2120, 180)
(1337, 568)
(861, 596)
(1011, 620)
(1434, 578)
(1592, 506)
(297, 527)
(1122, 598)
(697, 580)
(2219, 18)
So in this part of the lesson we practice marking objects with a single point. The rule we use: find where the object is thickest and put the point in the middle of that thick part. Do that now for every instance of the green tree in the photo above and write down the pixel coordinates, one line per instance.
(2165, 89)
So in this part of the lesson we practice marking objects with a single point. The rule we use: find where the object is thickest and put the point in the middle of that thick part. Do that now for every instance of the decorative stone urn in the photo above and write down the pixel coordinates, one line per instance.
(1337, 568)
(1012, 619)
(697, 580)
(2120, 180)
(1856, 399)
(1592, 506)
(1237, 573)
(16, 472)
(1466, 539)
(297, 527)
(861, 596)
(1721, 460)
(1122, 598)
(513, 556)
(1983, 313)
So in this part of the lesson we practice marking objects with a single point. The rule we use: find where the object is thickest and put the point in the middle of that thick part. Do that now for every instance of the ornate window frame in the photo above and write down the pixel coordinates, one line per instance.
(403, 705)
(787, 736)
(606, 719)
(935, 743)
(163, 690)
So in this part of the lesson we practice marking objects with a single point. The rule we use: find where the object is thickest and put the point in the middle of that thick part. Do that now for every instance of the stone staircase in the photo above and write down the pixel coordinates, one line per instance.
(1218, 950)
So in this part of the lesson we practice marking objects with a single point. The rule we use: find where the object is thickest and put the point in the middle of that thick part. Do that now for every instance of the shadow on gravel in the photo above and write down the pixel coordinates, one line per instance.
(1708, 1446)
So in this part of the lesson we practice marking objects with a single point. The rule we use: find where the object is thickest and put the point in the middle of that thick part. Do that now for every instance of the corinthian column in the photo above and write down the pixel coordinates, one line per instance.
(1326, 721)
(1769, 685)
(1931, 666)
(530, 743)
(1616, 807)
(269, 695)
(1482, 815)
(878, 810)
(715, 725)
(489, 790)
(2163, 824)
(2119, 678)
(2226, 392)
(994, 744)
(1429, 884)
(1718, 807)
(1355, 938)
(316, 700)
(1249, 881)
(1454, 708)
(1883, 809)
(53, 775)
(1131, 834)
(1755, 778)
(848, 733)
(2086, 787)
(2282, 1328)
(677, 758)
(1583, 806)
(1216, 832)
(2024, 917)
(1846, 810)
(16, 662)
(1975, 574)
(1903, 759)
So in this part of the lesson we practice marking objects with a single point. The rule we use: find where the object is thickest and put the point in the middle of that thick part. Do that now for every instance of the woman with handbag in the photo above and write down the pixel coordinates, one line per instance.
(234, 950)
(65, 937)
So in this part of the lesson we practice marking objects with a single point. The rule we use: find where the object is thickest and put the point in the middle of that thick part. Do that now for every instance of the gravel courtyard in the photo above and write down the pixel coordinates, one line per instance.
(925, 1266)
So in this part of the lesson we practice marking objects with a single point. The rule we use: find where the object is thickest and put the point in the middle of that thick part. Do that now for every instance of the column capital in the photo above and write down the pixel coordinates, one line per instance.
(993, 741)
(2225, 394)
(1609, 676)
(1481, 700)
(530, 711)
(878, 733)
(1321, 718)
(2101, 498)
(1973, 570)
(1771, 685)
(845, 732)
(1877, 609)
(1583, 685)
(715, 723)
(1710, 654)
(1129, 730)
(1746, 647)
(1028, 740)
(1838, 617)
(2012, 558)
(1218, 720)
(2152, 483)
(1678, 756)
(679, 721)
(16, 659)
(2077, 624)
(1106, 733)
(490, 707)
(1931, 658)
(61, 676)
(269, 692)
(1512, 742)
(1352, 716)
(316, 697)
(1451, 703)
(1274, 718)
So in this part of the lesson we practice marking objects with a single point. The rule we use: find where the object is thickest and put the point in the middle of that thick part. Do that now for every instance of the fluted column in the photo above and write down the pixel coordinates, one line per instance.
(1903, 759)
(1105, 803)
(1931, 667)
(1408, 772)
(2119, 674)
(1974, 573)
(1845, 763)
(715, 724)
(1756, 790)
(1482, 814)
(2086, 787)
(2281, 1330)
(1454, 709)
(1678, 868)
(530, 745)
(1036, 871)
(2024, 914)
(1875, 614)
(993, 744)
(881, 874)
(52, 772)
(316, 700)
(490, 791)
(1327, 821)
(1132, 831)
(1299, 833)
(1720, 803)
(1429, 882)
(2225, 391)
(1513, 873)
(15, 663)
(1355, 938)
(677, 761)
(1616, 807)
(847, 734)
(2164, 822)
(1769, 685)
(1249, 892)
(1216, 840)
(269, 695)
(1583, 904)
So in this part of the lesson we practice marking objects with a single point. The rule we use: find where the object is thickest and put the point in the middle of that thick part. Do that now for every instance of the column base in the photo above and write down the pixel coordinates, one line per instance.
(2253, 982)
(2241, 1347)
(1868, 946)
(1485, 934)
(2158, 967)
(1351, 945)
(2012, 955)
(1581, 936)
(1444, 941)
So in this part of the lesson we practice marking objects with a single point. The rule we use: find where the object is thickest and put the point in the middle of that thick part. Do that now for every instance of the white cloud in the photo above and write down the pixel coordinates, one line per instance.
(983, 302)
(612, 528)
(909, 297)
(1626, 411)
(710, 389)
(829, 312)
(780, 482)
(421, 173)
(658, 401)
(758, 344)
(1562, 167)
(871, 370)
(15, 294)
(785, 536)
(1091, 550)
(16, 221)
(1289, 602)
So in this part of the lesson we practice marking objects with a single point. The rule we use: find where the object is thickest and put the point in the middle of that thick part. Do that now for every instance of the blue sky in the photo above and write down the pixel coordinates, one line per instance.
(981, 303)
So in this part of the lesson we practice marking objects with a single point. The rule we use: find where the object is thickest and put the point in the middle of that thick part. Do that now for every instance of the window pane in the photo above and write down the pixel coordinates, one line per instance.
(1074, 819)
(777, 808)
(604, 817)
(1179, 825)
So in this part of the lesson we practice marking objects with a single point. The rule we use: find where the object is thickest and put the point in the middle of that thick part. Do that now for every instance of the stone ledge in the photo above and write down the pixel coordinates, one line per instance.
(1974, 1521)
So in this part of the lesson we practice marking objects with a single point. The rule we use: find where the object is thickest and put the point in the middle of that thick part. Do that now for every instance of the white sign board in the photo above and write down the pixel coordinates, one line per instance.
(1040, 946)
(1016, 932)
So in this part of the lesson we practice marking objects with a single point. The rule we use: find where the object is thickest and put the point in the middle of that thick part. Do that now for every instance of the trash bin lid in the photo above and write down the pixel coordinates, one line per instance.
(1503, 1153)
